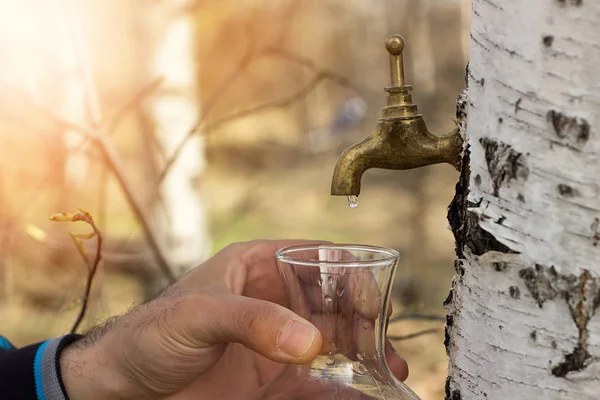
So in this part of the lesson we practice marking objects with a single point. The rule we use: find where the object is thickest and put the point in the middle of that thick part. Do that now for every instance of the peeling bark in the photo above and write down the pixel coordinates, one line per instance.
(522, 320)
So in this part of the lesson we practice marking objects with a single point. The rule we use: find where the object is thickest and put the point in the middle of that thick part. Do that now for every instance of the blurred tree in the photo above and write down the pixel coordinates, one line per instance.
(526, 214)
(175, 108)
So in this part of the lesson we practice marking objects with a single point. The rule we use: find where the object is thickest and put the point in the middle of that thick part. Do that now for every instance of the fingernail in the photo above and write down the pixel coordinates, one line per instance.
(296, 338)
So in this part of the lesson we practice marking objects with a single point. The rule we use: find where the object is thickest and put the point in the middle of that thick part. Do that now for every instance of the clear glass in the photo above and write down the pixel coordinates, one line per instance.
(344, 291)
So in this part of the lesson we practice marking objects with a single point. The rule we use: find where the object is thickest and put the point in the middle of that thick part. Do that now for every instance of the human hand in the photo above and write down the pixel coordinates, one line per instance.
(226, 321)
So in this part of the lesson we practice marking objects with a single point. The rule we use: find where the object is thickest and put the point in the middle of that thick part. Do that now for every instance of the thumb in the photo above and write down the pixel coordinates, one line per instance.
(267, 328)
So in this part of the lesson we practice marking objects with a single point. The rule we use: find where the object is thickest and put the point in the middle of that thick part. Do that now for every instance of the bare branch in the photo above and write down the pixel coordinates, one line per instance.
(284, 102)
(417, 316)
(104, 144)
(311, 65)
(102, 139)
(250, 56)
(414, 335)
(286, 22)
(113, 162)
(133, 103)
(245, 61)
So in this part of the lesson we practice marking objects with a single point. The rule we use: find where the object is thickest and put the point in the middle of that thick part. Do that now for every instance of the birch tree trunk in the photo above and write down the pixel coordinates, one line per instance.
(175, 109)
(522, 321)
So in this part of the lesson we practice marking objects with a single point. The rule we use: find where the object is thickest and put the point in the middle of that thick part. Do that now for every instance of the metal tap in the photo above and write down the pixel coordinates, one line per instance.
(401, 139)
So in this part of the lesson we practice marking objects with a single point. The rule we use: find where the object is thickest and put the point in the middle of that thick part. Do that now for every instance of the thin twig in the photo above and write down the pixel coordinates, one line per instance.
(247, 59)
(133, 103)
(414, 335)
(113, 162)
(249, 56)
(90, 277)
(417, 316)
(106, 147)
(284, 102)
(92, 268)
(102, 137)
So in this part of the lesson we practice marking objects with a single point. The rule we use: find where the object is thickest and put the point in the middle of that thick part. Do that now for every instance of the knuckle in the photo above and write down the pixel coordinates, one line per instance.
(253, 252)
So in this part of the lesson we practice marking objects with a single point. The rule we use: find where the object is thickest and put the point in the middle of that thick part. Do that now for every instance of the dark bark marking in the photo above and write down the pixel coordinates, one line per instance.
(500, 266)
(480, 82)
(461, 111)
(477, 180)
(582, 295)
(451, 394)
(464, 224)
(548, 40)
(583, 298)
(567, 191)
(518, 105)
(449, 298)
(576, 3)
(533, 335)
(574, 130)
(521, 198)
(539, 283)
(458, 268)
(480, 241)
(574, 361)
(515, 292)
(501, 220)
(553, 344)
(595, 232)
(449, 325)
(500, 120)
(457, 210)
(504, 163)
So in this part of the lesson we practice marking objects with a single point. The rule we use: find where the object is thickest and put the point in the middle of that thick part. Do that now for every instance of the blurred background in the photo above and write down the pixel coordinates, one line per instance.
(182, 126)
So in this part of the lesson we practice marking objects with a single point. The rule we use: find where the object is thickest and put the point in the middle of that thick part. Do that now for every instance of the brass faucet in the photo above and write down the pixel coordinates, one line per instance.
(401, 139)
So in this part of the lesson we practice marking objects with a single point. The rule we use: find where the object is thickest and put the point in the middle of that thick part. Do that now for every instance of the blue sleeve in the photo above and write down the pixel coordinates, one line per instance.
(33, 372)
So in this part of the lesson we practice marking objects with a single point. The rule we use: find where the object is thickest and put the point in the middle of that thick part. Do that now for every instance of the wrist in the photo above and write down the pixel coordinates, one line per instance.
(89, 371)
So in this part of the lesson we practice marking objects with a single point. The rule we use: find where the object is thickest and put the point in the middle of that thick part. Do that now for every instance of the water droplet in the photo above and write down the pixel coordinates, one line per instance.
(360, 356)
(328, 299)
(358, 368)
(353, 201)
(330, 361)
(330, 280)
(339, 291)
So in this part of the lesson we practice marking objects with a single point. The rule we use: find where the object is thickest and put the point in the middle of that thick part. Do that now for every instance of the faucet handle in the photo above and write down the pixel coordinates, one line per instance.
(394, 45)
(399, 101)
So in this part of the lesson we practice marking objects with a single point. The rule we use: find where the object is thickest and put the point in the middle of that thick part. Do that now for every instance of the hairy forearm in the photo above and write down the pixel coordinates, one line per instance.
(89, 368)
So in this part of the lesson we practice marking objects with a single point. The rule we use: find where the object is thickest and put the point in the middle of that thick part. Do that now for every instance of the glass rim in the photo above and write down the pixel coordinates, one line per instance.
(389, 255)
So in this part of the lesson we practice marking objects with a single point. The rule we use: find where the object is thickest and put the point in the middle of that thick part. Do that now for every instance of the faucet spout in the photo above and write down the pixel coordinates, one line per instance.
(401, 139)
(396, 144)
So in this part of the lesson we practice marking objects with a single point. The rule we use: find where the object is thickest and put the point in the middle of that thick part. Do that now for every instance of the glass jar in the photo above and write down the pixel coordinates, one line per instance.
(344, 290)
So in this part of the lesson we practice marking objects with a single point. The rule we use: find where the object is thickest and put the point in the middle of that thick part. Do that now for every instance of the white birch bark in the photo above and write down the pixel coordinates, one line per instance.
(175, 109)
(522, 321)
